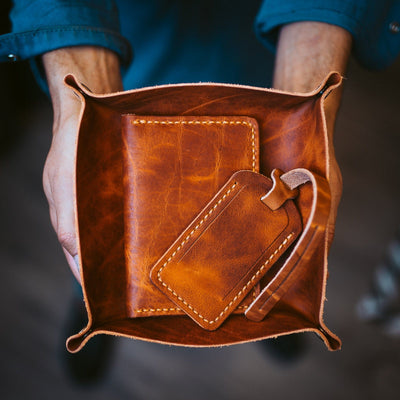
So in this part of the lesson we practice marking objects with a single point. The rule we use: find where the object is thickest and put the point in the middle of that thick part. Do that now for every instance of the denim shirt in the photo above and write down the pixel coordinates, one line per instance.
(152, 27)
(374, 24)
(39, 26)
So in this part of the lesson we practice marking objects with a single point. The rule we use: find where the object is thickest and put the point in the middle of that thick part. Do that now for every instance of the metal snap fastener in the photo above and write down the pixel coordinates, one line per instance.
(12, 57)
(394, 27)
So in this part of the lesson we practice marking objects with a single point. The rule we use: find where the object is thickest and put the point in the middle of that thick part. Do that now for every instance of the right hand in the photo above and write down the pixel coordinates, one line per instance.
(307, 51)
(58, 174)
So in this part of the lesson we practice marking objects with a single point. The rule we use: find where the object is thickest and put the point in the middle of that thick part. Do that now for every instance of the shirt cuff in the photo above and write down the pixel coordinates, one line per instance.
(28, 44)
(272, 15)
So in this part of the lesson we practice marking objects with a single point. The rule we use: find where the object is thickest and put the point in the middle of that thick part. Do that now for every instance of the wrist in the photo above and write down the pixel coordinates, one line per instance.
(82, 62)
(307, 52)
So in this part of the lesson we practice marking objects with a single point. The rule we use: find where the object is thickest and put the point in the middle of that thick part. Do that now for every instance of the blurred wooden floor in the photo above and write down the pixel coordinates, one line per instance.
(35, 283)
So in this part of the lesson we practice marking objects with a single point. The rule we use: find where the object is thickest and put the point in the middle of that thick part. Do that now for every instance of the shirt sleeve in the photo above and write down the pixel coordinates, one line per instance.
(39, 26)
(273, 14)
(372, 24)
(378, 44)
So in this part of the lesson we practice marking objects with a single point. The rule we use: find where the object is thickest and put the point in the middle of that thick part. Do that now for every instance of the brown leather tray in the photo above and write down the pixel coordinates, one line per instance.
(292, 135)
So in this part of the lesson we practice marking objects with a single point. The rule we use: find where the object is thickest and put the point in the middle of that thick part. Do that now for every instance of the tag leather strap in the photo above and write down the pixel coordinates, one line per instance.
(314, 234)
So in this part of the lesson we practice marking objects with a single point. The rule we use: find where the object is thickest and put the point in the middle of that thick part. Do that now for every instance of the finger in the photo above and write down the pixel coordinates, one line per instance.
(67, 241)
(65, 228)
(59, 193)
(74, 265)
(72, 259)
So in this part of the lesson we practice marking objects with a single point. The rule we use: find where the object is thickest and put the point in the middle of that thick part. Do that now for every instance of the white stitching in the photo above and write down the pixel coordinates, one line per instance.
(180, 246)
(239, 294)
(208, 122)
(228, 192)
(198, 122)
(157, 309)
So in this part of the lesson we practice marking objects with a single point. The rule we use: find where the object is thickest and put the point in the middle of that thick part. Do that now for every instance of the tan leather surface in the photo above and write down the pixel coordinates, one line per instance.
(279, 193)
(311, 238)
(173, 166)
(226, 250)
(292, 135)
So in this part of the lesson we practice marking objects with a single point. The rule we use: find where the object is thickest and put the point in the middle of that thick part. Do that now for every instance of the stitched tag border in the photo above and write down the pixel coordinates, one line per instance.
(286, 238)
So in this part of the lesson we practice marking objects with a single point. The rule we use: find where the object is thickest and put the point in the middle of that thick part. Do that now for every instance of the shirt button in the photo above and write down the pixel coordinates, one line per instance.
(12, 57)
(394, 27)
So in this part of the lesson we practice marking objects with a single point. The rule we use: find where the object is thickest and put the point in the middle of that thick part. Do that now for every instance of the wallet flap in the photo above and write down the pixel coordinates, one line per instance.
(226, 250)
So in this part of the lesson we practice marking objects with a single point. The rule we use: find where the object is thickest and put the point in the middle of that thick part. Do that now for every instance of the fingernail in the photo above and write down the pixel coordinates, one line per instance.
(76, 259)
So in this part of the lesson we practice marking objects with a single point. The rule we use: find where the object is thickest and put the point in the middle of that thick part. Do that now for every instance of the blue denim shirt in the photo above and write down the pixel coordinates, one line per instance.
(42, 25)
(180, 40)
(374, 24)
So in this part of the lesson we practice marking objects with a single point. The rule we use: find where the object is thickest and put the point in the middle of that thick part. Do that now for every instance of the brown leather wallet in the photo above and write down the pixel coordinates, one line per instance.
(202, 213)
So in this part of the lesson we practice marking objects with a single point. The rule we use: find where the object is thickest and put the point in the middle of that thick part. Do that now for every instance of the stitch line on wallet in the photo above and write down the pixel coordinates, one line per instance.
(198, 122)
(238, 295)
(149, 310)
(228, 192)
(201, 222)
(241, 291)
(207, 122)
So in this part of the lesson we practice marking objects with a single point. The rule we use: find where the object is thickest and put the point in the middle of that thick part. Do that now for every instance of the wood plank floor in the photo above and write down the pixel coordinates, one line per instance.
(35, 284)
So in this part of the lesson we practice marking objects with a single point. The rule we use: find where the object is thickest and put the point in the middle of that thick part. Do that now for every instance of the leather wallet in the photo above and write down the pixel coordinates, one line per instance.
(202, 213)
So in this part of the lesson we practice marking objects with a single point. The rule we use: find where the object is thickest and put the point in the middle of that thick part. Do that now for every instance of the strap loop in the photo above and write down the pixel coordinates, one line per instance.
(314, 235)
(279, 193)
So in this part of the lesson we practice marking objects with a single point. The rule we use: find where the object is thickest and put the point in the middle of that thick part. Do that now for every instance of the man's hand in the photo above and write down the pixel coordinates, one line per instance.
(98, 69)
(307, 52)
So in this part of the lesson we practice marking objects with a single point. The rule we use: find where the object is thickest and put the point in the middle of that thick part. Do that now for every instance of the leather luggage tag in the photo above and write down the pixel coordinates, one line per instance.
(226, 250)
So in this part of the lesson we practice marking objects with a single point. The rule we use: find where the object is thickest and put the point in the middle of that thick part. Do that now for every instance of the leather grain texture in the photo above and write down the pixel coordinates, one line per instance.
(292, 135)
(226, 250)
(173, 166)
